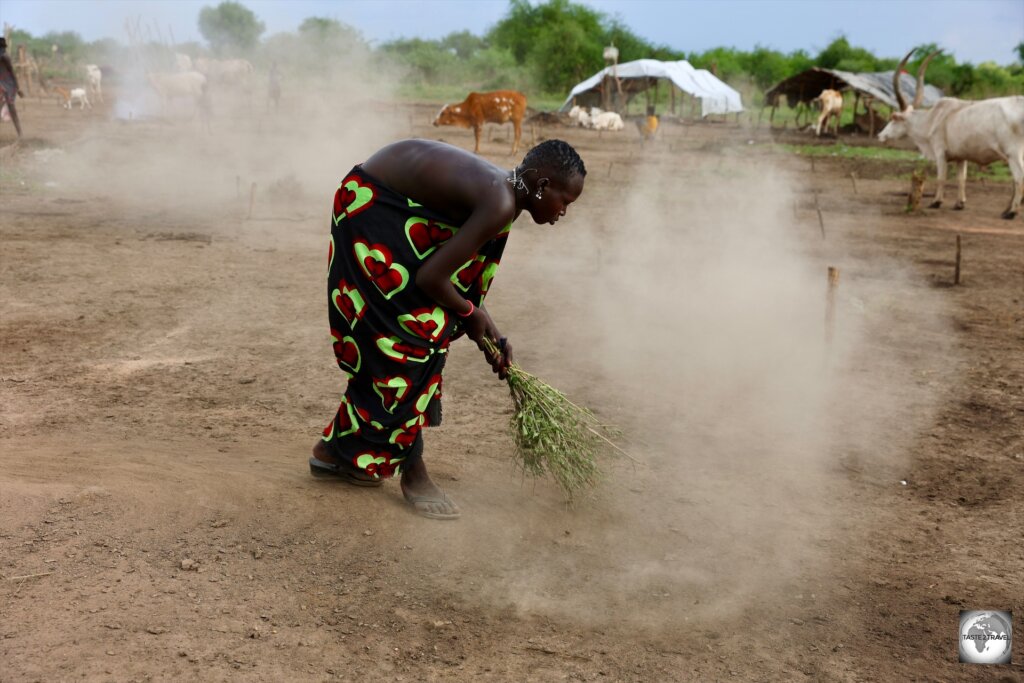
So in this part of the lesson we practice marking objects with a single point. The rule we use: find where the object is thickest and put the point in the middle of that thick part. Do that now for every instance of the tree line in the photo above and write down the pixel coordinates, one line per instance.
(540, 49)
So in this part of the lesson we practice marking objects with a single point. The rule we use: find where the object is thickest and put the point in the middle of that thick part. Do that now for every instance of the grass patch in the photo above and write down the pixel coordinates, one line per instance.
(851, 152)
(997, 172)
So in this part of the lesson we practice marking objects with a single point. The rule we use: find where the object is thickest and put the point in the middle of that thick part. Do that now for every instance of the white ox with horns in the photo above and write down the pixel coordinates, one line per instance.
(980, 131)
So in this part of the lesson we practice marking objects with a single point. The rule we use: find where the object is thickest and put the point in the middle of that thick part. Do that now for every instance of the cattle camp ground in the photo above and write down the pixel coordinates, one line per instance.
(822, 387)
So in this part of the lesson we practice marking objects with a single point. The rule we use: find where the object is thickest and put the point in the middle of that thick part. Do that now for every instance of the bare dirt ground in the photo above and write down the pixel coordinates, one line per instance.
(165, 368)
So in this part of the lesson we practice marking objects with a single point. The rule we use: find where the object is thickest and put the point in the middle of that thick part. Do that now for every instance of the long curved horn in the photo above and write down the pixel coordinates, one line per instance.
(896, 81)
(919, 93)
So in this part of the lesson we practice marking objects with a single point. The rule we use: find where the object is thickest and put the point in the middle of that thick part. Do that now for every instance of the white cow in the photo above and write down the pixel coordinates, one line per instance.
(577, 114)
(94, 81)
(981, 131)
(831, 106)
(172, 86)
(608, 120)
(230, 72)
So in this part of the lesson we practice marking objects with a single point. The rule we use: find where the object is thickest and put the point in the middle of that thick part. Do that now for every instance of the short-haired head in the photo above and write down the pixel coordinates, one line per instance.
(557, 157)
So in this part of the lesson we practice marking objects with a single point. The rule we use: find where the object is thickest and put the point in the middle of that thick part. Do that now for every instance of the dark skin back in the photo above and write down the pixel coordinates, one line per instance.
(475, 194)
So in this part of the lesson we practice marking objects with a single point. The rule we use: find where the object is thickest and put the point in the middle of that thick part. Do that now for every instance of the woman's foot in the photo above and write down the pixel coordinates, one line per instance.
(424, 495)
(324, 464)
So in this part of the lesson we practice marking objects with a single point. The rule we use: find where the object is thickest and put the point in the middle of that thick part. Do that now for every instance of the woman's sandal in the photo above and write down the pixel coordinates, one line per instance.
(345, 472)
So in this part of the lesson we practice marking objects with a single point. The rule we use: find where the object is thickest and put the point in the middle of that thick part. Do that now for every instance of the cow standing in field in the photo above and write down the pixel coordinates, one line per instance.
(831, 107)
(94, 81)
(500, 106)
(189, 85)
(226, 72)
(981, 131)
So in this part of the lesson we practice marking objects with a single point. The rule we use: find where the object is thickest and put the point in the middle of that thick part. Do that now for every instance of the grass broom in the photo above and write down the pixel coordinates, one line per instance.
(553, 435)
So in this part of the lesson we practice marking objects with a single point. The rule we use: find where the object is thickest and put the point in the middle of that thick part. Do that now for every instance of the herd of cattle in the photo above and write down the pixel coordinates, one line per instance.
(954, 130)
(189, 81)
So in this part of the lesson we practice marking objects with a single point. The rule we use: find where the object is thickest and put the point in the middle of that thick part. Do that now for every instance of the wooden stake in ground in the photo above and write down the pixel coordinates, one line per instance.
(252, 199)
(853, 177)
(830, 304)
(916, 192)
(821, 220)
(956, 269)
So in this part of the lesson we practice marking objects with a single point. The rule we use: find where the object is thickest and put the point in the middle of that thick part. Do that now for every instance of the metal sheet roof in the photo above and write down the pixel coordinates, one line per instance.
(807, 85)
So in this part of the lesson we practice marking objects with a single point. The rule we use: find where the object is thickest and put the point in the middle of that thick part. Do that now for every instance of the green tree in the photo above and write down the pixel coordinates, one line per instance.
(463, 43)
(330, 36)
(561, 41)
(764, 66)
(839, 54)
(230, 25)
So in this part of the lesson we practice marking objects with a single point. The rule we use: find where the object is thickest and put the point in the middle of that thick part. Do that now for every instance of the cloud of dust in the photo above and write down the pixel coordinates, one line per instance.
(187, 155)
(701, 302)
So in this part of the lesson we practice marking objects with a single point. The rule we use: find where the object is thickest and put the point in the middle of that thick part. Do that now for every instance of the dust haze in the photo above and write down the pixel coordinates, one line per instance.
(188, 153)
(690, 313)
(694, 315)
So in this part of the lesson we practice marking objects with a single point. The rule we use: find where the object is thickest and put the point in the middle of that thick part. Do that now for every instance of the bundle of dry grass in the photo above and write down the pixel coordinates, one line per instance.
(555, 436)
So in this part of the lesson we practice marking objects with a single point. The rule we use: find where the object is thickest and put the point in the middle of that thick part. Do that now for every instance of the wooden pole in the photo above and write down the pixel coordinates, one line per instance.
(956, 270)
(252, 198)
(916, 192)
(821, 220)
(853, 177)
(830, 304)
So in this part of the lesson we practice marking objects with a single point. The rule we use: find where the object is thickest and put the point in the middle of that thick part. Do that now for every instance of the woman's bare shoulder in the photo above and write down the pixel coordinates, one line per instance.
(436, 174)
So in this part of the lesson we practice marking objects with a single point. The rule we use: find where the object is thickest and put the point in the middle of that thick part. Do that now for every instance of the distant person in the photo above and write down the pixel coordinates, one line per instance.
(417, 232)
(204, 107)
(9, 85)
(273, 87)
(650, 124)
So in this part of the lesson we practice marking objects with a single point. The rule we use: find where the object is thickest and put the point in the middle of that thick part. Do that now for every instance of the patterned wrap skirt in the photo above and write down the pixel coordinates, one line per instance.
(390, 338)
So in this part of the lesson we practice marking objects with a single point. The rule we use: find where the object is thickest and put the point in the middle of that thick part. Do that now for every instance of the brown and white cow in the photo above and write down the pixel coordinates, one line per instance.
(831, 106)
(981, 131)
(500, 106)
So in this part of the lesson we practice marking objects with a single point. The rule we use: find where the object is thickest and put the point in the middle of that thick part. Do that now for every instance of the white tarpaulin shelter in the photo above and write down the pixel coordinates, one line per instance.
(715, 96)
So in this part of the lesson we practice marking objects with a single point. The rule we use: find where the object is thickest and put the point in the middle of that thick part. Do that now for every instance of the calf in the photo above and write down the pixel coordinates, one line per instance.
(831, 106)
(69, 97)
(500, 106)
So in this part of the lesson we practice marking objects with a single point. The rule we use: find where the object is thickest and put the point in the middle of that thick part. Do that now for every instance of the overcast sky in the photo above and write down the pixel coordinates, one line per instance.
(972, 30)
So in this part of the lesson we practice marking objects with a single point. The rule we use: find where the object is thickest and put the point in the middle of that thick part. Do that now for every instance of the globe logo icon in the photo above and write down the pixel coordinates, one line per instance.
(986, 637)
